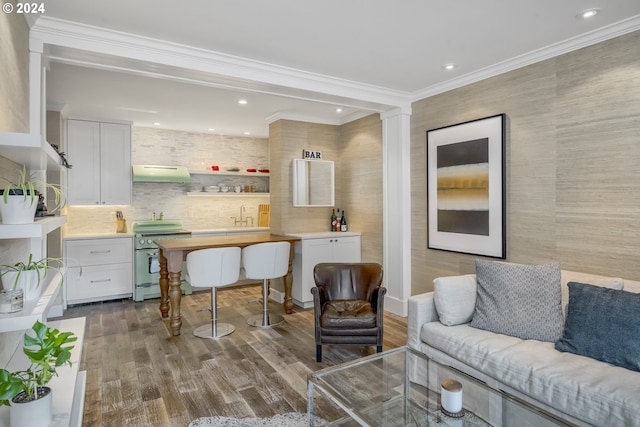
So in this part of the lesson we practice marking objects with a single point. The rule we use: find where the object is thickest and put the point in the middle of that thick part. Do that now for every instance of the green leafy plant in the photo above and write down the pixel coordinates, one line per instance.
(26, 186)
(47, 350)
(40, 266)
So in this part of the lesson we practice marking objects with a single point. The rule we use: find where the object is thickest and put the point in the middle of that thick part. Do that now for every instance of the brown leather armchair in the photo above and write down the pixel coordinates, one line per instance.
(348, 304)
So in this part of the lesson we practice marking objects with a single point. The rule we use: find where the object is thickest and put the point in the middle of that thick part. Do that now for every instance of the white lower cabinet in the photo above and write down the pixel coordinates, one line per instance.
(107, 269)
(314, 248)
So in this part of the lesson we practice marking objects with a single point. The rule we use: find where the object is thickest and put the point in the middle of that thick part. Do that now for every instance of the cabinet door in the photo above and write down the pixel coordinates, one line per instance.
(346, 249)
(115, 166)
(99, 282)
(83, 153)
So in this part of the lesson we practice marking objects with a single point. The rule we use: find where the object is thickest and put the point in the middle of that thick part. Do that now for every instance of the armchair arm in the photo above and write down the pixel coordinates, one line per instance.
(318, 301)
(421, 310)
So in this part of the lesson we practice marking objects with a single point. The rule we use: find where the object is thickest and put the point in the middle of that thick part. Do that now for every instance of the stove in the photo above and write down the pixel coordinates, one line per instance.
(146, 262)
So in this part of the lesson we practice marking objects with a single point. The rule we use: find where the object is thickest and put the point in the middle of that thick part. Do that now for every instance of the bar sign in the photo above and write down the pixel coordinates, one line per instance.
(311, 155)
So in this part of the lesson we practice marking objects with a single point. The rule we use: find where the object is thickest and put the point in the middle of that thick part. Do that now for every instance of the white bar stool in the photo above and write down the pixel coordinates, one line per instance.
(266, 261)
(214, 268)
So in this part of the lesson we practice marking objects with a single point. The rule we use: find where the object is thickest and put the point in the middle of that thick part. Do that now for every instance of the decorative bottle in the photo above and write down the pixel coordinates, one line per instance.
(337, 226)
(343, 223)
(334, 219)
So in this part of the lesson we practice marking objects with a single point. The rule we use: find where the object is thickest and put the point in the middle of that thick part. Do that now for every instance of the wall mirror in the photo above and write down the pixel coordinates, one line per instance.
(313, 183)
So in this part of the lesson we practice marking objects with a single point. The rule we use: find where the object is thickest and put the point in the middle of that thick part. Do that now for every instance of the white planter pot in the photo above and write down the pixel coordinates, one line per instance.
(35, 413)
(17, 210)
(28, 282)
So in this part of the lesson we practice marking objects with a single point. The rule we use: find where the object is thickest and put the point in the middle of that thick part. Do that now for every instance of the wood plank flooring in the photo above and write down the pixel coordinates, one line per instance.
(139, 375)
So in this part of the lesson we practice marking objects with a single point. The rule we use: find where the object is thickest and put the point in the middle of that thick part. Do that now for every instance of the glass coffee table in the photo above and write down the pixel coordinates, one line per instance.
(401, 387)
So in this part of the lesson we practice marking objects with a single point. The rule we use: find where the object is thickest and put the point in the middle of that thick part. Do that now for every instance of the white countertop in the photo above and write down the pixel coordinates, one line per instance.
(325, 234)
(112, 235)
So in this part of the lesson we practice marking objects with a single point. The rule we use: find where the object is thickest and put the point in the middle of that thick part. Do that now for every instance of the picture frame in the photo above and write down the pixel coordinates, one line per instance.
(466, 187)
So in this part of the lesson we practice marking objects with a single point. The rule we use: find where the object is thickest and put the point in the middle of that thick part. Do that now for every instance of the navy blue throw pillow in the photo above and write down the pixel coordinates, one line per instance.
(603, 324)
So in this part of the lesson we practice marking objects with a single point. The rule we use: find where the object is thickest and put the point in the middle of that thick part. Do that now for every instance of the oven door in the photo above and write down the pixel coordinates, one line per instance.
(147, 266)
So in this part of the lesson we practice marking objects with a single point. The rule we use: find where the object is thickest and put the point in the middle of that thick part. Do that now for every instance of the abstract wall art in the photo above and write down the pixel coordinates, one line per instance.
(466, 187)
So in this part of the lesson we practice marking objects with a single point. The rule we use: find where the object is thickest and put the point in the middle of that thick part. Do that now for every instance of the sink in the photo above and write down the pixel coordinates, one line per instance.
(150, 226)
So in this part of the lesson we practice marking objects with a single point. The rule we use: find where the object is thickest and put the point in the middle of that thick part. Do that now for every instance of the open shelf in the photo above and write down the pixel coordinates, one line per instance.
(227, 173)
(209, 194)
(40, 228)
(36, 309)
(68, 387)
(30, 150)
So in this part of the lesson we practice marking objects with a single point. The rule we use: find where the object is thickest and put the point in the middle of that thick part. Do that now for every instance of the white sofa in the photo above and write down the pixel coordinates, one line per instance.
(578, 389)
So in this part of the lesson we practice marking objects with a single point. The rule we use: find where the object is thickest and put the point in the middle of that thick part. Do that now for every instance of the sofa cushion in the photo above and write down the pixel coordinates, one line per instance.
(582, 387)
(523, 301)
(455, 298)
(603, 324)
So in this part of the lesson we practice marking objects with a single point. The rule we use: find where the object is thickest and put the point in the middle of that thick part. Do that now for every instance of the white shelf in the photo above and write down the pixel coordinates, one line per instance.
(68, 387)
(227, 173)
(30, 150)
(40, 228)
(36, 309)
(220, 194)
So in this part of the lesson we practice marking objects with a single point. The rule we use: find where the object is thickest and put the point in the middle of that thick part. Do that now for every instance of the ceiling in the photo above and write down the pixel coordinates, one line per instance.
(372, 45)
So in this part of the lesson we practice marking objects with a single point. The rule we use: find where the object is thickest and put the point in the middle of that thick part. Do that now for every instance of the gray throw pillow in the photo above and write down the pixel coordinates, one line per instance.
(519, 300)
(603, 324)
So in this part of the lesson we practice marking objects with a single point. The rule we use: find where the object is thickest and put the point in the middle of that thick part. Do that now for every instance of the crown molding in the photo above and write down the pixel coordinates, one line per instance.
(338, 121)
(605, 33)
(158, 57)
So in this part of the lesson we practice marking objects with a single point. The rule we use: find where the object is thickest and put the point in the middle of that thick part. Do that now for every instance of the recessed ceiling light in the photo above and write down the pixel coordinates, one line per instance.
(449, 67)
(242, 102)
(247, 133)
(156, 123)
(338, 110)
(211, 129)
(589, 13)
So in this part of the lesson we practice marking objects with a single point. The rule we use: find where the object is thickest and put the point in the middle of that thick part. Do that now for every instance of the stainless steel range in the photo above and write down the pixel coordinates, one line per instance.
(146, 262)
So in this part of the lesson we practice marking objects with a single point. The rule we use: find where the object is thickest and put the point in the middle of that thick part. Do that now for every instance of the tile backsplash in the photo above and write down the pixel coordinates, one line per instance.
(197, 152)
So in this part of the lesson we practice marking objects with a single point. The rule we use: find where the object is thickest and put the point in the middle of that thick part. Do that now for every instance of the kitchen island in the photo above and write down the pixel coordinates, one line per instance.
(174, 251)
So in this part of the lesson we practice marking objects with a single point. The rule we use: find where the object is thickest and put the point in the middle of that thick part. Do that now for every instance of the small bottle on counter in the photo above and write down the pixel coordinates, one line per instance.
(333, 219)
(343, 223)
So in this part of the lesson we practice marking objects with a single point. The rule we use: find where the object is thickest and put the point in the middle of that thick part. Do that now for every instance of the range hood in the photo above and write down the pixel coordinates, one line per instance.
(157, 173)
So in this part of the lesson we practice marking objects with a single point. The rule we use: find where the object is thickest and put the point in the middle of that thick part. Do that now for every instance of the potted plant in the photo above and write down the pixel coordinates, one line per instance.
(27, 275)
(26, 391)
(20, 198)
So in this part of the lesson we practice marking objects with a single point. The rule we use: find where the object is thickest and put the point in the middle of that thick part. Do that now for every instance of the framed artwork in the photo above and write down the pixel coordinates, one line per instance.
(466, 187)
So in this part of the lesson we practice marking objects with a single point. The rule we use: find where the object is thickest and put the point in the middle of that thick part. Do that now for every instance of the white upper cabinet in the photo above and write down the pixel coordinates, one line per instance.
(100, 155)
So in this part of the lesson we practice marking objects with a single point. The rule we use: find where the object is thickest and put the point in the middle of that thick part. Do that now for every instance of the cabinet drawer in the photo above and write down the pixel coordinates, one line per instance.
(99, 251)
(99, 283)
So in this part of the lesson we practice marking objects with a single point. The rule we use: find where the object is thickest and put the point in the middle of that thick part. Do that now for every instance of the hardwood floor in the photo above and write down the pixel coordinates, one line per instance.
(139, 375)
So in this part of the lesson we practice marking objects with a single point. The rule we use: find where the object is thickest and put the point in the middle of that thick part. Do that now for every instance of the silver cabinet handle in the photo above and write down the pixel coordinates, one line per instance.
(104, 251)
(101, 281)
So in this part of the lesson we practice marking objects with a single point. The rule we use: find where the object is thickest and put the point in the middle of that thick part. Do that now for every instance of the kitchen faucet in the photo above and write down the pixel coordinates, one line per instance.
(244, 221)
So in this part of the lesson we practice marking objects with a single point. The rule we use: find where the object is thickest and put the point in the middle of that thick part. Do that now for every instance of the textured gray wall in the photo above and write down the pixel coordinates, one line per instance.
(573, 156)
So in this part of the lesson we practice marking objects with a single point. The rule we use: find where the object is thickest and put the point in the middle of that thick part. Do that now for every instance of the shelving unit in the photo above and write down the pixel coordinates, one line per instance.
(68, 387)
(36, 309)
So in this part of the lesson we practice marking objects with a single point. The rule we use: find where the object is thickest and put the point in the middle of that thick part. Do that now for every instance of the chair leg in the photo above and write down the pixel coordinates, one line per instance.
(318, 353)
(379, 349)
(215, 329)
(265, 319)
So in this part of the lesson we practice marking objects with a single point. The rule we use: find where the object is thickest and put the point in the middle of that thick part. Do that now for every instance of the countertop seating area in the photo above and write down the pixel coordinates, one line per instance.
(564, 341)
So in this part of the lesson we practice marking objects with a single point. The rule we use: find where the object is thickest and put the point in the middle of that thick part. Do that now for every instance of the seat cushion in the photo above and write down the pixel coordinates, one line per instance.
(348, 314)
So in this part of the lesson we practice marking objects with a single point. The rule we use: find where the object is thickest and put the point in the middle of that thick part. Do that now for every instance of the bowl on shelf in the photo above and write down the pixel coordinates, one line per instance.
(212, 189)
(224, 189)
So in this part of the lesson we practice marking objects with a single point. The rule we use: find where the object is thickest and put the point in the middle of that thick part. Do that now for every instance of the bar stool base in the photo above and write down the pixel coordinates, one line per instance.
(205, 331)
(258, 320)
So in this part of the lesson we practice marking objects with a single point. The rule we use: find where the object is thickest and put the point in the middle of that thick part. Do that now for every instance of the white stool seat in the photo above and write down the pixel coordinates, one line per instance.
(214, 268)
(266, 261)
